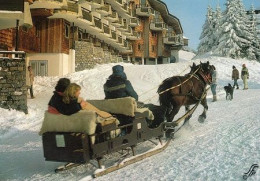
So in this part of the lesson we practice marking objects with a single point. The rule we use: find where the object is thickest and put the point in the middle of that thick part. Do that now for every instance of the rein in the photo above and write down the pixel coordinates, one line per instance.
(192, 75)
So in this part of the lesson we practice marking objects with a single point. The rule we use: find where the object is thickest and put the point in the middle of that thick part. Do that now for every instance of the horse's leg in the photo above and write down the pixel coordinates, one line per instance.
(172, 113)
(203, 116)
(187, 108)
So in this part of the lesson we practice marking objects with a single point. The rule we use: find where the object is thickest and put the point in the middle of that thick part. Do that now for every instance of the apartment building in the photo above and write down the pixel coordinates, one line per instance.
(63, 36)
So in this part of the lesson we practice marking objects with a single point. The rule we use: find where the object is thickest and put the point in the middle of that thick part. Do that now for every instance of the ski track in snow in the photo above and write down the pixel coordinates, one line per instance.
(222, 148)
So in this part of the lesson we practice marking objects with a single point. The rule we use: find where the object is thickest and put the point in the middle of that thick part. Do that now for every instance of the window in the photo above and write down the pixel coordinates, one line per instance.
(80, 35)
(37, 29)
(153, 48)
(139, 47)
(67, 30)
(143, 2)
(25, 29)
(154, 34)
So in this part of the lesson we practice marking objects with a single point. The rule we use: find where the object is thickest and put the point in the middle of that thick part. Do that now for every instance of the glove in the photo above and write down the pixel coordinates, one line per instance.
(247, 77)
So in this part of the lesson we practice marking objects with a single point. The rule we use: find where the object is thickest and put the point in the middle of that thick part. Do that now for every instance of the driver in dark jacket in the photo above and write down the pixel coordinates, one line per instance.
(117, 85)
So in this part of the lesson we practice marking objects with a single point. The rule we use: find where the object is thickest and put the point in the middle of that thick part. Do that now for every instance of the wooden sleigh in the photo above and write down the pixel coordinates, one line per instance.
(84, 136)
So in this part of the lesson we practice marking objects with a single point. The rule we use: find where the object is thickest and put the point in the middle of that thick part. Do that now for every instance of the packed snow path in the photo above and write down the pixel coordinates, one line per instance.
(222, 148)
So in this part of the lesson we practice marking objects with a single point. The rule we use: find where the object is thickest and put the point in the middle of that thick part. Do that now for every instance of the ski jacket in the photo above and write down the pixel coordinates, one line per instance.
(244, 71)
(235, 74)
(118, 87)
(214, 77)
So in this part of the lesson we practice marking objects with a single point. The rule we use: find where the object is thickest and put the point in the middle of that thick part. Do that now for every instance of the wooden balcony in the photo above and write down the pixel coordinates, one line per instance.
(135, 36)
(49, 4)
(112, 17)
(87, 16)
(158, 25)
(120, 2)
(94, 3)
(105, 10)
(144, 11)
(121, 7)
(118, 23)
(124, 26)
(98, 23)
(128, 32)
(71, 13)
(176, 40)
(133, 22)
(120, 40)
(114, 35)
(106, 28)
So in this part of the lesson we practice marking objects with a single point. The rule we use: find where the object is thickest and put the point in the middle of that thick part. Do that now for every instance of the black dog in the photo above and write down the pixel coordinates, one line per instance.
(229, 92)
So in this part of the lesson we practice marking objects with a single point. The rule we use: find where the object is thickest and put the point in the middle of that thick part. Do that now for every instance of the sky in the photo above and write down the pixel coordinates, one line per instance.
(222, 148)
(192, 15)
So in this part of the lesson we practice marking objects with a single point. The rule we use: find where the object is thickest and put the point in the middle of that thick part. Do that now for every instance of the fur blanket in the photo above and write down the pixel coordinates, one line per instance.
(83, 121)
(126, 106)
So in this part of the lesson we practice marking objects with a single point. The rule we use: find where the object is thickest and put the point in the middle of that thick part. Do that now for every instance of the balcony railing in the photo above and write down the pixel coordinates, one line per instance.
(48, 4)
(142, 10)
(114, 14)
(157, 25)
(120, 40)
(87, 15)
(106, 7)
(94, 1)
(134, 22)
(137, 34)
(98, 23)
(120, 1)
(106, 29)
(125, 43)
(174, 40)
(73, 7)
(114, 35)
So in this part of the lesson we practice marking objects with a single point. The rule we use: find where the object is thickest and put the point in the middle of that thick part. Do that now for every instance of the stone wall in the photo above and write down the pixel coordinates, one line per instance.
(87, 56)
(13, 90)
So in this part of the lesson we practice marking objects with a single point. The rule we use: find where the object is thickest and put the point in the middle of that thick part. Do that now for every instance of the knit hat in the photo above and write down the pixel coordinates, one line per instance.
(233, 67)
(244, 65)
(118, 70)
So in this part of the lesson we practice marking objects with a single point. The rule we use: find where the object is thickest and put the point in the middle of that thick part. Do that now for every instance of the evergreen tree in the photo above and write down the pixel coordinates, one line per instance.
(216, 27)
(255, 44)
(232, 41)
(245, 33)
(206, 34)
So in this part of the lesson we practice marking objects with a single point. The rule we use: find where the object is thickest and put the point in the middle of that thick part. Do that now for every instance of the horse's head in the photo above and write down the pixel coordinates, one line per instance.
(204, 70)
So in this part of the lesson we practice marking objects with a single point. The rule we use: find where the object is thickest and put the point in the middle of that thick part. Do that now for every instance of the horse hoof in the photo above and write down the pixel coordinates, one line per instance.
(170, 133)
(201, 119)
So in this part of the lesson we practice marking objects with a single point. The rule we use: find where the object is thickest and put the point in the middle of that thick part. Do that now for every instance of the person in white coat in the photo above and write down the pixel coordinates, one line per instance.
(30, 80)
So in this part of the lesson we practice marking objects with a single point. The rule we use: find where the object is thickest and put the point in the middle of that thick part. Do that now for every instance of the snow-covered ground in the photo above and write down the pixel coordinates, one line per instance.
(222, 148)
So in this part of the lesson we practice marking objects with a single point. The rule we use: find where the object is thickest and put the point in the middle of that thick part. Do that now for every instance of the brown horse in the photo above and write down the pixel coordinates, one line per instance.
(186, 90)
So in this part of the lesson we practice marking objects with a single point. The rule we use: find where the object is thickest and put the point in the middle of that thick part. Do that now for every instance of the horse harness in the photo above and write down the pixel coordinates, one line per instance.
(205, 80)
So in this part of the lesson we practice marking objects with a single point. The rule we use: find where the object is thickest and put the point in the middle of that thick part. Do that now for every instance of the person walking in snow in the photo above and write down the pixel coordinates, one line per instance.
(244, 76)
(117, 85)
(213, 84)
(29, 80)
(235, 76)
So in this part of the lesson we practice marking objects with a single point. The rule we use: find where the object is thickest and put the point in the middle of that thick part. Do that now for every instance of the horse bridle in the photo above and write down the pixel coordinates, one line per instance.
(205, 76)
